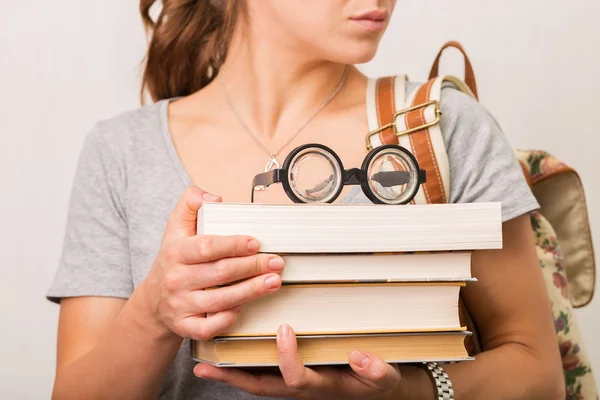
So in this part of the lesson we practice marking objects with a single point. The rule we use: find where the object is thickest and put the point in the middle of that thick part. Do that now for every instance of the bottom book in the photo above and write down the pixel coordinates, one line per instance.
(334, 349)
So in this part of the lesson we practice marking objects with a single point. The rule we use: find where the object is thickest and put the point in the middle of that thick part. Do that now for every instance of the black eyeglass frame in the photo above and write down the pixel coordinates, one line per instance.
(353, 176)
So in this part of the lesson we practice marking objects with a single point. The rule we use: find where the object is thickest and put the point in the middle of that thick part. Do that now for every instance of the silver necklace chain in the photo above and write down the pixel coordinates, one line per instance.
(273, 163)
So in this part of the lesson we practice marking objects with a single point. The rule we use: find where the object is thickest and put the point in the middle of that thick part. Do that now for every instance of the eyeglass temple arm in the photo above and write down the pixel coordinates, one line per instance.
(264, 180)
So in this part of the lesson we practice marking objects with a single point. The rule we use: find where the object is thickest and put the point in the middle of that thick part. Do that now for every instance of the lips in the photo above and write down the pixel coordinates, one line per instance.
(373, 20)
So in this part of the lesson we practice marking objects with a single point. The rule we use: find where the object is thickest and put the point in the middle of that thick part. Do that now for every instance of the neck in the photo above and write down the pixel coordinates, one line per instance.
(274, 87)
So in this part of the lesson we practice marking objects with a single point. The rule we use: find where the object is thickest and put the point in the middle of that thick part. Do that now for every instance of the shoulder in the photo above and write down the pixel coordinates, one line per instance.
(466, 124)
(131, 125)
(114, 145)
(459, 110)
(482, 162)
(122, 139)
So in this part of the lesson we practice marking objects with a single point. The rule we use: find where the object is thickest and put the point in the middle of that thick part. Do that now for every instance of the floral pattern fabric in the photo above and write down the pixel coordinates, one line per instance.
(579, 380)
(541, 164)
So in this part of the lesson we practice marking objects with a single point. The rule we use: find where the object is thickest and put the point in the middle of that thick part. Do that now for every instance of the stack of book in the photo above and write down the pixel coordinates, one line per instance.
(378, 278)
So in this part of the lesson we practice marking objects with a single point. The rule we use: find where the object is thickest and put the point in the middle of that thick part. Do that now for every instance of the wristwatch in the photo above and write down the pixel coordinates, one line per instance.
(441, 381)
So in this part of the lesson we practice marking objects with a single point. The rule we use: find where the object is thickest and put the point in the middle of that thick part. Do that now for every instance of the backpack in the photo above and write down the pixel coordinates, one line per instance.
(561, 226)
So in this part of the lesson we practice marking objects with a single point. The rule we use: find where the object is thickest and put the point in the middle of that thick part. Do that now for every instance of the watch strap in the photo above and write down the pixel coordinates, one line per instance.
(441, 380)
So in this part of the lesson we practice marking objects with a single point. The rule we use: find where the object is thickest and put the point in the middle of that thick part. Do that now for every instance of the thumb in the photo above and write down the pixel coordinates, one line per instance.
(184, 218)
(374, 371)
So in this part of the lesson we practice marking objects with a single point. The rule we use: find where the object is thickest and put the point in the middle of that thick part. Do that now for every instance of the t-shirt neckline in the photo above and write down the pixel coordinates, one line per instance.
(170, 144)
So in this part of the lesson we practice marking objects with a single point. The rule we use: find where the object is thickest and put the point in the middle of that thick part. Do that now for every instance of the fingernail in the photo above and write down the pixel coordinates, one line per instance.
(283, 332)
(276, 264)
(360, 358)
(200, 373)
(273, 282)
(210, 197)
(253, 246)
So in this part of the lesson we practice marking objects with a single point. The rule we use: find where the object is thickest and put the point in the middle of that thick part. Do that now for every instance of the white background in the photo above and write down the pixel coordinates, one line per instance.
(65, 64)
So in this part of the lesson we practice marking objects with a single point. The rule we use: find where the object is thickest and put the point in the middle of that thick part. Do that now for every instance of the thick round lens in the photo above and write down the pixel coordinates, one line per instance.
(314, 175)
(392, 176)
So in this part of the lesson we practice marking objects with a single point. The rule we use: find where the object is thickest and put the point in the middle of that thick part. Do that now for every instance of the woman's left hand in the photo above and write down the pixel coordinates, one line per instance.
(369, 377)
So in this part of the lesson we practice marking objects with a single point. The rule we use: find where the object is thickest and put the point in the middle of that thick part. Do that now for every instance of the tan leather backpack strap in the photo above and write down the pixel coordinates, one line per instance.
(469, 73)
(408, 124)
(413, 124)
(383, 96)
(386, 108)
(422, 142)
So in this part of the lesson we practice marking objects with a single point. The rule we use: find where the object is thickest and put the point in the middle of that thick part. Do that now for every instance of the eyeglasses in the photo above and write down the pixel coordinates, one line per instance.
(313, 173)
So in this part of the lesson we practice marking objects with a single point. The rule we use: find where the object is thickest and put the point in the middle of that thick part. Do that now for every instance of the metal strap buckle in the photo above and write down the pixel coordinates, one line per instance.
(438, 113)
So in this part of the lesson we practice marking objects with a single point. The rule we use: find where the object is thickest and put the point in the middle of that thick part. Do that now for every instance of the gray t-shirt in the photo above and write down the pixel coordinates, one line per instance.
(129, 179)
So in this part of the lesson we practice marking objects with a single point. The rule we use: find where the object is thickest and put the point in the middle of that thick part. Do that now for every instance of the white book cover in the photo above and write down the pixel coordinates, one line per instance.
(331, 228)
(352, 309)
(422, 267)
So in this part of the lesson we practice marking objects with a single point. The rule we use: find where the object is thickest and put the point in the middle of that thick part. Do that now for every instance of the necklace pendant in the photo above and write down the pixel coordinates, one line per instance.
(272, 164)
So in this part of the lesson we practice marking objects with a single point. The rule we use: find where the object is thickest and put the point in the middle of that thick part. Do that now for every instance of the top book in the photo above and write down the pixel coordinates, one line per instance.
(333, 228)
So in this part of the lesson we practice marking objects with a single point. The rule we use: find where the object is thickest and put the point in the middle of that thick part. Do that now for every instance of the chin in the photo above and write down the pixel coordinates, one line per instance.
(355, 52)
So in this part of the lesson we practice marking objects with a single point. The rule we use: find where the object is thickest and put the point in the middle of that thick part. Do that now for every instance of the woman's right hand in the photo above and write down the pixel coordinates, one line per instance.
(188, 263)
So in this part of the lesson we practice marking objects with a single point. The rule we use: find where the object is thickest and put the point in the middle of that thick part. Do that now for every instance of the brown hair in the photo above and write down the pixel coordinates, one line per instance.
(187, 44)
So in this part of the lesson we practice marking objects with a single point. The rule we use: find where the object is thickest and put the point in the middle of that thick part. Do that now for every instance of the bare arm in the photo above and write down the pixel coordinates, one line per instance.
(511, 308)
(111, 348)
(108, 346)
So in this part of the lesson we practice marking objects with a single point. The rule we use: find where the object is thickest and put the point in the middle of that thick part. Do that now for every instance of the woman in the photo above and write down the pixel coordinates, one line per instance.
(234, 82)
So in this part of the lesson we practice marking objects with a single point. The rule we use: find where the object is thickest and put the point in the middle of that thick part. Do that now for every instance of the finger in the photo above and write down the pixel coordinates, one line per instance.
(258, 385)
(200, 249)
(231, 270)
(183, 219)
(226, 297)
(295, 374)
(205, 328)
(374, 370)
